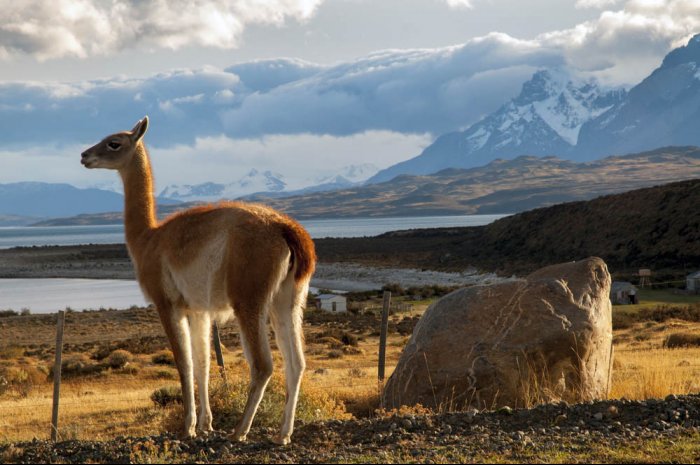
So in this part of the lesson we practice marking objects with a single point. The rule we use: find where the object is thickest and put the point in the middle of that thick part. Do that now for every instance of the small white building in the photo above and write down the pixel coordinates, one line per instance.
(623, 293)
(332, 303)
(692, 282)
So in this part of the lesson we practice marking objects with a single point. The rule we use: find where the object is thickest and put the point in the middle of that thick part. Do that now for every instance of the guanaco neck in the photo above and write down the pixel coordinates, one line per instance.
(139, 205)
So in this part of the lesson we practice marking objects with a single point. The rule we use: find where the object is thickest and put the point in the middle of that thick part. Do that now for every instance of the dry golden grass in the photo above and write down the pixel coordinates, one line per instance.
(644, 368)
(117, 402)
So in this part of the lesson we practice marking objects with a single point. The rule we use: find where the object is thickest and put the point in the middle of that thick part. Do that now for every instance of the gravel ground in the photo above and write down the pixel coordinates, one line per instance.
(528, 435)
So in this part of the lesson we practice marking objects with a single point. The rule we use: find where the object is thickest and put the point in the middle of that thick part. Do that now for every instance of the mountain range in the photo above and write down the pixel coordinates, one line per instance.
(26, 202)
(269, 183)
(502, 186)
(538, 148)
(557, 114)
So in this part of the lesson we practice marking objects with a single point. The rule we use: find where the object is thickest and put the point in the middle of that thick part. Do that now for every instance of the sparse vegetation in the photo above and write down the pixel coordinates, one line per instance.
(676, 340)
(164, 357)
(166, 396)
(340, 381)
(119, 358)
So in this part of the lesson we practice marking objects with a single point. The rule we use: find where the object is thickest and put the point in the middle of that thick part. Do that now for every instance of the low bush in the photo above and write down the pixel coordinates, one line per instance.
(658, 314)
(676, 340)
(164, 357)
(119, 359)
(78, 365)
(21, 380)
(166, 396)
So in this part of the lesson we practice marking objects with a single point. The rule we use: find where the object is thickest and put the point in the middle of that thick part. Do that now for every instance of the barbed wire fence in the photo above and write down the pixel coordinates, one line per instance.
(52, 405)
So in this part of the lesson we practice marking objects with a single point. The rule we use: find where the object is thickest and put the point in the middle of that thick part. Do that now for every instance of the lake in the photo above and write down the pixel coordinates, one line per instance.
(353, 227)
(51, 295)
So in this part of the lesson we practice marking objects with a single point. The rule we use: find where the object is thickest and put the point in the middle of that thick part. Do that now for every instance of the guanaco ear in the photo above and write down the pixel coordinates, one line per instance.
(140, 129)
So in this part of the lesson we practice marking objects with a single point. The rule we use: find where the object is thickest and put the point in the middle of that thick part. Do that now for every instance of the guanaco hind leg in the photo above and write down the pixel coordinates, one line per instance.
(256, 348)
(286, 318)
(200, 334)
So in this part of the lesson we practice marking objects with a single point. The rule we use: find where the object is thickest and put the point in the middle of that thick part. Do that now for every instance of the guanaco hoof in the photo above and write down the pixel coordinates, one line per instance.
(281, 440)
(238, 437)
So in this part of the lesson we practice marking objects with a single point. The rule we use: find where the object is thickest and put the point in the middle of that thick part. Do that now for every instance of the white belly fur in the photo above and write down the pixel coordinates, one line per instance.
(197, 282)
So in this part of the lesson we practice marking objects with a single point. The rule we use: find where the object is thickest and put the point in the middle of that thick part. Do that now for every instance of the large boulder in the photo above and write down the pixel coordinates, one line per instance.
(543, 338)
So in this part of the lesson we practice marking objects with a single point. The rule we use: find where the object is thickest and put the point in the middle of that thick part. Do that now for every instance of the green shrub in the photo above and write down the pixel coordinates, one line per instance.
(21, 380)
(168, 395)
(164, 357)
(78, 365)
(119, 359)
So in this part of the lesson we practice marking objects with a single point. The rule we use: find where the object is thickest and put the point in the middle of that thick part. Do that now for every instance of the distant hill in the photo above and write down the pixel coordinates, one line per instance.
(502, 186)
(38, 199)
(25, 202)
(657, 228)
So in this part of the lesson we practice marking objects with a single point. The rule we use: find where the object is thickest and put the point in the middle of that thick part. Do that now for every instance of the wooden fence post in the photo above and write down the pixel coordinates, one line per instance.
(57, 374)
(382, 335)
(219, 354)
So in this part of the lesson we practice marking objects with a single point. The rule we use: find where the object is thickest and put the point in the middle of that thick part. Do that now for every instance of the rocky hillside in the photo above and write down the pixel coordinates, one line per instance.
(663, 109)
(617, 431)
(657, 227)
(544, 119)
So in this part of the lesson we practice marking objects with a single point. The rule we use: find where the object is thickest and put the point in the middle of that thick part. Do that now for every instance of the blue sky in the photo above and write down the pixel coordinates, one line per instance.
(300, 87)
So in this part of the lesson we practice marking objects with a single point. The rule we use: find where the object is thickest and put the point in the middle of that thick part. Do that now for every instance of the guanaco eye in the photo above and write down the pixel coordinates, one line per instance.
(114, 145)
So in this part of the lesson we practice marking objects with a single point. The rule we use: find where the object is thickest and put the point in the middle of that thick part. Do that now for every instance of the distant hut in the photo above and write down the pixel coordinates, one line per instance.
(332, 303)
(623, 293)
(693, 283)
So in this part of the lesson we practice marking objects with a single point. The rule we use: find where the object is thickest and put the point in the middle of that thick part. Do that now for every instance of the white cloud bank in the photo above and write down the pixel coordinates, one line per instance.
(48, 29)
(387, 96)
(81, 28)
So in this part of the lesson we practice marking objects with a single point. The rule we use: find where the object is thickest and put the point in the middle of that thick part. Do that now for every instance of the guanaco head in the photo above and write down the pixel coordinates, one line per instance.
(115, 151)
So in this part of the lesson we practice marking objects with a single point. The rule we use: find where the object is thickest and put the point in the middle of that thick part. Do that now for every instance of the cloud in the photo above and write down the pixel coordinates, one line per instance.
(595, 3)
(301, 159)
(459, 3)
(183, 103)
(405, 91)
(408, 91)
(625, 44)
(433, 90)
(82, 28)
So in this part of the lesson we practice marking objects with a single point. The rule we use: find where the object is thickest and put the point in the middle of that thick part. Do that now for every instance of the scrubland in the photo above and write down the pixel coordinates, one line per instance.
(116, 366)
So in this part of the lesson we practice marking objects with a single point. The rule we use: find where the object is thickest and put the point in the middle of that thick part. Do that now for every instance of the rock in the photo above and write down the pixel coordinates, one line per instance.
(547, 337)
(598, 416)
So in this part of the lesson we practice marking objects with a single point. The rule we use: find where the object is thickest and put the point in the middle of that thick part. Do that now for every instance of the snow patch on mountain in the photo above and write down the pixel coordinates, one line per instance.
(253, 181)
(544, 119)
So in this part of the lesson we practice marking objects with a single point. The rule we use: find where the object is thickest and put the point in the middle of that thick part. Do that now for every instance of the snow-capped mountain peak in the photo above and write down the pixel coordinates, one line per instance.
(254, 181)
(544, 119)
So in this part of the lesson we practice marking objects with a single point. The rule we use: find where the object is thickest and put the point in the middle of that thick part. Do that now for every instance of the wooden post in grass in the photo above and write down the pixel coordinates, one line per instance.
(57, 374)
(219, 354)
(382, 334)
